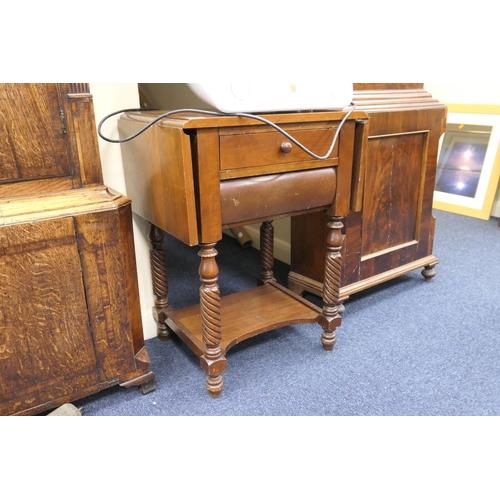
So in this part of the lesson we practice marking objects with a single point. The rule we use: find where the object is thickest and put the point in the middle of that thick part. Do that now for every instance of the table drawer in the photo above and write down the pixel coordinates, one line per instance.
(260, 149)
(265, 197)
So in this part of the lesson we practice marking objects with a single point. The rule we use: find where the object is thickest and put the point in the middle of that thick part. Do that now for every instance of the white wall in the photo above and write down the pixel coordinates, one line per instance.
(110, 97)
(465, 93)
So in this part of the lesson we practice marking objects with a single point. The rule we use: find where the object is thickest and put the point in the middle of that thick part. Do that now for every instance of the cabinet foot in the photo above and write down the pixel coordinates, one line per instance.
(148, 387)
(428, 273)
(341, 308)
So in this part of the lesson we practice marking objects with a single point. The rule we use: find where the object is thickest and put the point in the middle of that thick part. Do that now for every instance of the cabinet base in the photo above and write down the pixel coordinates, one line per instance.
(299, 284)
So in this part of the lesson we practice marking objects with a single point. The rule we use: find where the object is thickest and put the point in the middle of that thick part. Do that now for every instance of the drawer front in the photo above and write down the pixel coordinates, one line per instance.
(261, 149)
(271, 196)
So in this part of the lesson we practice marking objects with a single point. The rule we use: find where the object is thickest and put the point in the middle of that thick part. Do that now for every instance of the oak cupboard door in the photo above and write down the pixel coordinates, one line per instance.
(48, 139)
(42, 298)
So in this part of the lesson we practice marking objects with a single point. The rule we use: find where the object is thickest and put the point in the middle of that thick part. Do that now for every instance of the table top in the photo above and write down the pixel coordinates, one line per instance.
(185, 173)
(195, 120)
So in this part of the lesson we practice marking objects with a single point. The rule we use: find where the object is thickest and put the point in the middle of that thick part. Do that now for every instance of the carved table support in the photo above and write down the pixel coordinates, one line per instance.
(158, 261)
(212, 361)
(266, 252)
(330, 318)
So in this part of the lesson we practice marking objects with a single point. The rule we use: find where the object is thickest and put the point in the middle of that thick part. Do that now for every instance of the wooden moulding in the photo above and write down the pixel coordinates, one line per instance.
(375, 97)
(299, 283)
(54, 205)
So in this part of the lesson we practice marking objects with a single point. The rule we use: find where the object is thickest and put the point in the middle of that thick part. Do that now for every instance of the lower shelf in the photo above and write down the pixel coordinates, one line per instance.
(245, 315)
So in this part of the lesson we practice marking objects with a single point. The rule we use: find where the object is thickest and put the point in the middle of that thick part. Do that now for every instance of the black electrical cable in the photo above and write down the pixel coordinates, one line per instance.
(218, 113)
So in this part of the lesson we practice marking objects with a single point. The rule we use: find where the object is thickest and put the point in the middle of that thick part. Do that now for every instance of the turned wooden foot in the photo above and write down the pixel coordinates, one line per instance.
(328, 340)
(214, 386)
(428, 273)
(159, 276)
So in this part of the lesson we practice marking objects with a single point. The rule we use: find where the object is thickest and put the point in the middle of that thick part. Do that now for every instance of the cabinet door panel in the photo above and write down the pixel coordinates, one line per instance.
(33, 144)
(393, 191)
(45, 338)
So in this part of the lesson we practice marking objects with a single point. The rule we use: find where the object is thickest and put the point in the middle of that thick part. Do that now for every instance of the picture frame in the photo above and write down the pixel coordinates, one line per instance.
(468, 166)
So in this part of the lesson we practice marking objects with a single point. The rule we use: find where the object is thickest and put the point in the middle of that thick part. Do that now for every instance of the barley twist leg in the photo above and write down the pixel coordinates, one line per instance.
(212, 361)
(330, 318)
(266, 252)
(158, 260)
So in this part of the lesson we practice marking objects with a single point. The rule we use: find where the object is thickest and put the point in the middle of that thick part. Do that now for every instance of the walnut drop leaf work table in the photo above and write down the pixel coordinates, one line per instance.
(193, 175)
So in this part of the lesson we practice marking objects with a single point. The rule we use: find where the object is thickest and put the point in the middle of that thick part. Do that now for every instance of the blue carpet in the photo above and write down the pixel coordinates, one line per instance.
(405, 348)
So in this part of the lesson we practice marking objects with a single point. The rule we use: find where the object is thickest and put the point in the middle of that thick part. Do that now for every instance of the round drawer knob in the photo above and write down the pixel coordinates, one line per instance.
(286, 147)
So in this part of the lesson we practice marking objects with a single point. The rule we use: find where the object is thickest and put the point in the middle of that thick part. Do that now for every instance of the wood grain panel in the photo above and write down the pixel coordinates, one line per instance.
(342, 203)
(395, 173)
(103, 271)
(80, 120)
(32, 141)
(126, 238)
(42, 299)
(161, 185)
(206, 167)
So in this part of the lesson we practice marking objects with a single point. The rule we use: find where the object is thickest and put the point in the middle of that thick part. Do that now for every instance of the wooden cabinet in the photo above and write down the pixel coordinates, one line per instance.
(70, 321)
(391, 230)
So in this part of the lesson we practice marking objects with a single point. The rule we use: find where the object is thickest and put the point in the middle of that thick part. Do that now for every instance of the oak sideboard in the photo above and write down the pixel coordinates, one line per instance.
(70, 321)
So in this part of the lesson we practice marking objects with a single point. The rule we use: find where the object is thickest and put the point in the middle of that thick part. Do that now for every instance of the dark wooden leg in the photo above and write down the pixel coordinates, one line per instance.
(428, 273)
(266, 252)
(330, 318)
(158, 260)
(212, 361)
